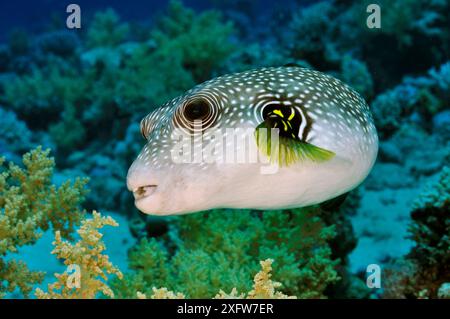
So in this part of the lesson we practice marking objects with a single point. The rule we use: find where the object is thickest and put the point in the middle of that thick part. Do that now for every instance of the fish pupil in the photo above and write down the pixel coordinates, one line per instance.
(196, 110)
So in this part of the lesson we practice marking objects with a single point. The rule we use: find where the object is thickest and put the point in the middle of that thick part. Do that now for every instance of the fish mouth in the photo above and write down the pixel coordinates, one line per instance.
(144, 191)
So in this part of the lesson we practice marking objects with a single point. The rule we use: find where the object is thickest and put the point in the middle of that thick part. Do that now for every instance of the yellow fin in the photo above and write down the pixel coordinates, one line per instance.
(290, 150)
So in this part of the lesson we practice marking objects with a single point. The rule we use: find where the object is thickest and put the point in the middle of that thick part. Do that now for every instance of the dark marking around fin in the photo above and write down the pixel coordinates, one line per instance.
(334, 204)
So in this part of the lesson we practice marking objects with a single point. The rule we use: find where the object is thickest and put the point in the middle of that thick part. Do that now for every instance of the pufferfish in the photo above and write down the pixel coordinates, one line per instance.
(327, 143)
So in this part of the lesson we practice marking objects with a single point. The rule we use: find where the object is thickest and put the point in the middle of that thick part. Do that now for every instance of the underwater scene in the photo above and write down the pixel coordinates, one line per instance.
(240, 149)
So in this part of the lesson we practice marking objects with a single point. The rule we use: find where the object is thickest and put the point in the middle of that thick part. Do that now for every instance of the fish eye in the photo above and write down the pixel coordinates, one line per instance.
(197, 113)
(197, 109)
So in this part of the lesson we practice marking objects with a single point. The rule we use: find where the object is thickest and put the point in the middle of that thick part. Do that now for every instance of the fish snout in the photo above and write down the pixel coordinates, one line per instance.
(141, 181)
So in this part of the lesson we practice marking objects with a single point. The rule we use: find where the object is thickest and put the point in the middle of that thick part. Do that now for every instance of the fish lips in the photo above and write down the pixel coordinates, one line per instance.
(143, 192)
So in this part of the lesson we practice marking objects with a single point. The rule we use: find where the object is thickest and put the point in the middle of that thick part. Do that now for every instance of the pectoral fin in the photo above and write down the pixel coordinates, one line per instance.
(288, 150)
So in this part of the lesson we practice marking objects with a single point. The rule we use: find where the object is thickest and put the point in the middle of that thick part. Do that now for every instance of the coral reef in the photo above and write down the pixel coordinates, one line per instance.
(263, 288)
(313, 33)
(424, 96)
(343, 243)
(87, 254)
(406, 20)
(106, 30)
(63, 44)
(356, 74)
(219, 249)
(161, 293)
(424, 272)
(15, 137)
(30, 204)
(182, 31)
(42, 92)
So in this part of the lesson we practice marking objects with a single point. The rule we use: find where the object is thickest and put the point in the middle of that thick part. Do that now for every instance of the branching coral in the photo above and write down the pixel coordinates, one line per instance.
(150, 77)
(403, 19)
(44, 92)
(87, 254)
(219, 249)
(425, 95)
(428, 263)
(30, 204)
(390, 107)
(161, 293)
(200, 40)
(106, 30)
(324, 32)
(431, 227)
(263, 288)
(69, 132)
(57, 43)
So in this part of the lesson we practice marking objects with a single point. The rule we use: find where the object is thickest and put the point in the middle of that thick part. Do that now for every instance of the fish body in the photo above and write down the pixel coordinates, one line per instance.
(327, 143)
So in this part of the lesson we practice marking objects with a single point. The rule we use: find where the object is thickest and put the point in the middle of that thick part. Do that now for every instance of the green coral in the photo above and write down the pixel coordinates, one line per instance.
(150, 77)
(106, 30)
(181, 34)
(69, 132)
(403, 19)
(44, 91)
(263, 288)
(221, 249)
(29, 205)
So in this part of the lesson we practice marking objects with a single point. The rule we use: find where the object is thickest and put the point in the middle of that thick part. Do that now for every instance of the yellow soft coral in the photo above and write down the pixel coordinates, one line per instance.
(29, 205)
(161, 293)
(164, 293)
(232, 295)
(87, 256)
(263, 287)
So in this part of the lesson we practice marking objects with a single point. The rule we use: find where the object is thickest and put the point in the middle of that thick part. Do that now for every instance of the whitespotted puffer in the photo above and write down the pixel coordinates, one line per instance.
(325, 144)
